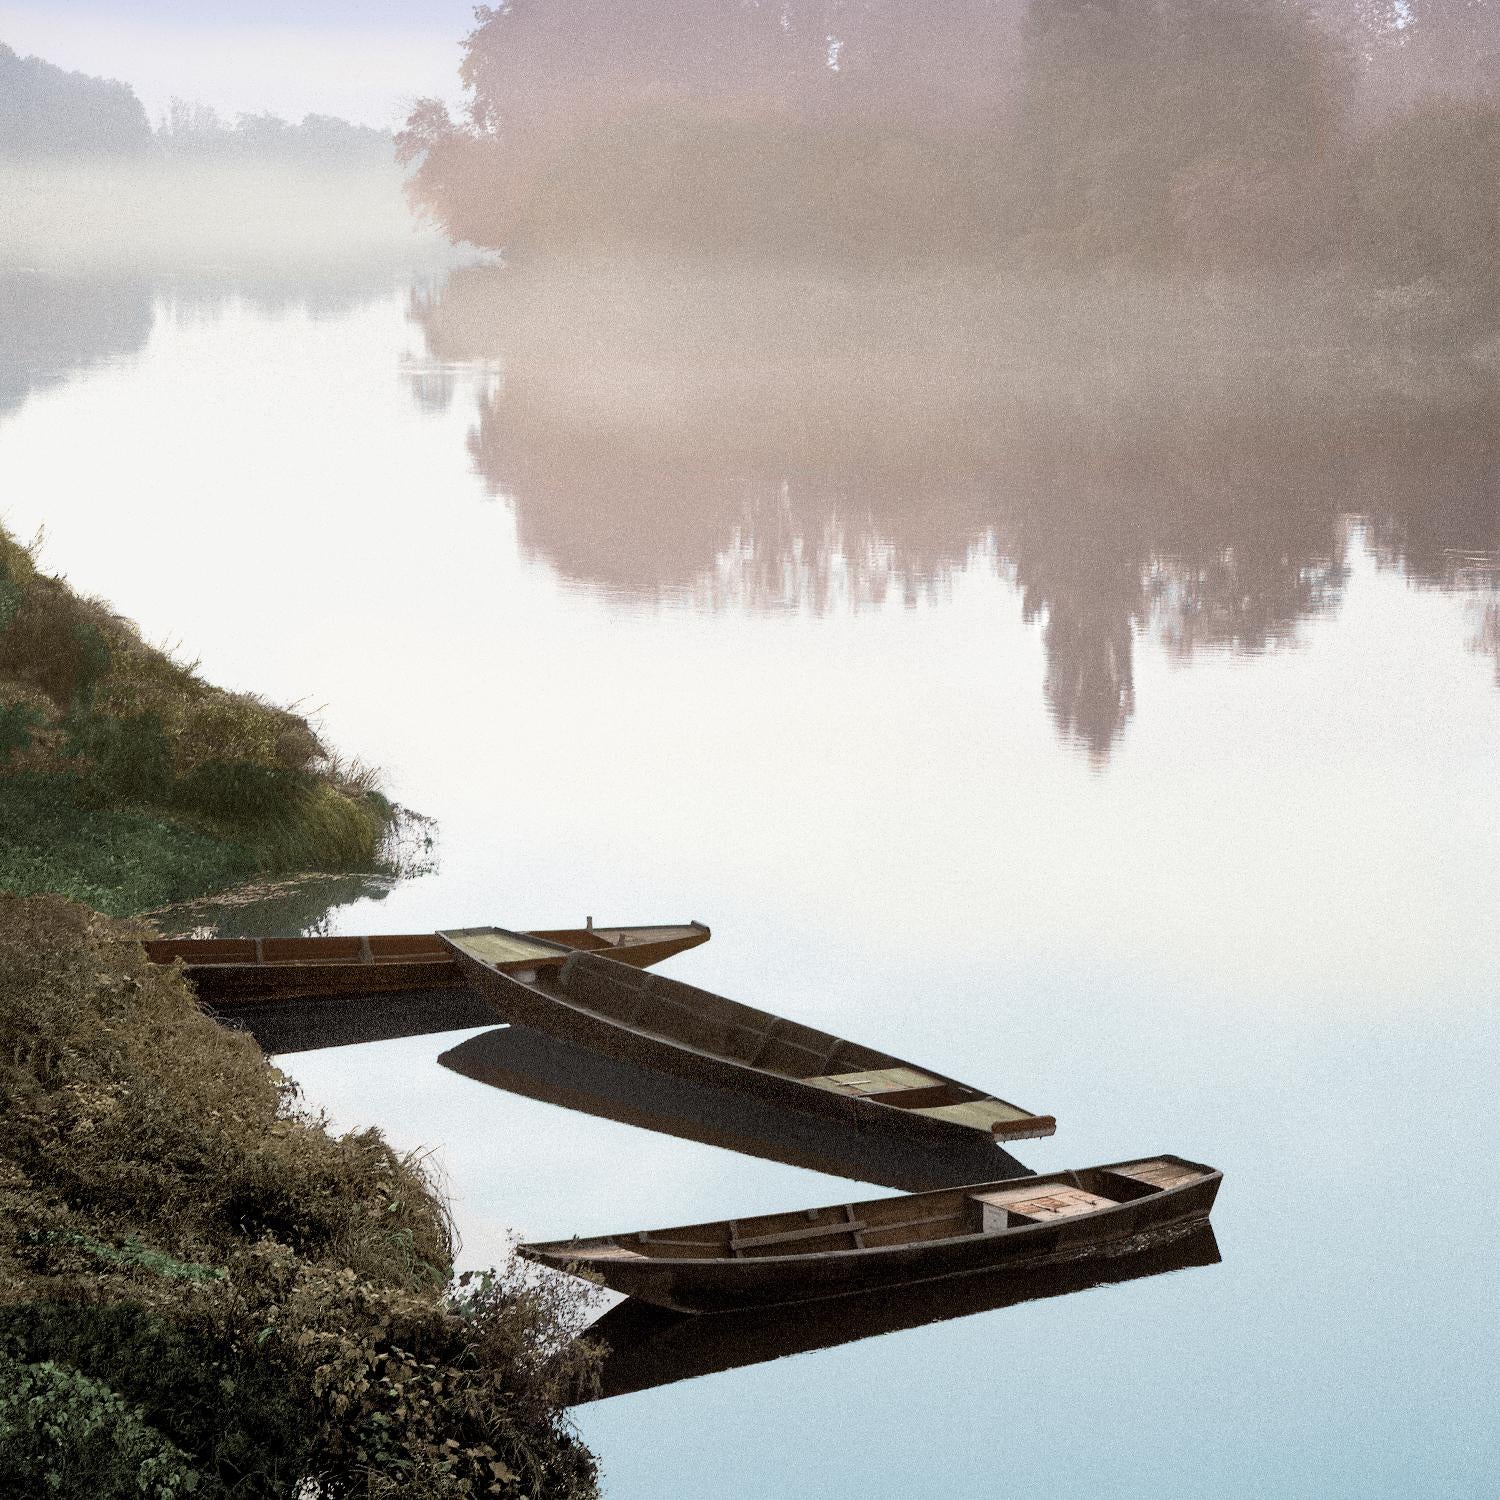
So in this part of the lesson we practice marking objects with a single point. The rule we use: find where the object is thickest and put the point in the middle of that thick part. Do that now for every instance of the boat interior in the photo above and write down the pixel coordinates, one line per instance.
(709, 1023)
(388, 949)
(885, 1222)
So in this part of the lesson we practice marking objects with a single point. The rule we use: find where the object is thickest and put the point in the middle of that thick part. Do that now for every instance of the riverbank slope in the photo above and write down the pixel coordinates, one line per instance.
(203, 1291)
(128, 782)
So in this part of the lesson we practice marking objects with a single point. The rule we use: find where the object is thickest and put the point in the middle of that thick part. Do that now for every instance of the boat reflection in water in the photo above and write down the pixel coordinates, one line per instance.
(646, 1346)
(528, 1062)
(312, 1024)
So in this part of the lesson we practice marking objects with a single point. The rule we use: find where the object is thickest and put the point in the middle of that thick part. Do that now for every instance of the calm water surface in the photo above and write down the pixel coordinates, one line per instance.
(1152, 785)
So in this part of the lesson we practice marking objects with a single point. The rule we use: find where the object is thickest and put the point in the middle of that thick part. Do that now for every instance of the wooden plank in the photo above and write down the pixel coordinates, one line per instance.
(502, 947)
(947, 1217)
(1038, 1202)
(786, 1237)
(872, 1082)
(767, 1037)
(1159, 1174)
(859, 1238)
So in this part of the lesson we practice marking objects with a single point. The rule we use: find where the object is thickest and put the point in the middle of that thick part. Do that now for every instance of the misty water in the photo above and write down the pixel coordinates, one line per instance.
(1143, 772)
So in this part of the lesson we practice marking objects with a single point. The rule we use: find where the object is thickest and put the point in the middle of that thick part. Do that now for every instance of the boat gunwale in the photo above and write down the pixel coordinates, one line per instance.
(551, 1252)
(890, 1111)
(439, 953)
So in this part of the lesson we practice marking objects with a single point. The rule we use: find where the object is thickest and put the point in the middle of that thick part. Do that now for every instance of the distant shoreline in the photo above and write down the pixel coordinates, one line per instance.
(164, 214)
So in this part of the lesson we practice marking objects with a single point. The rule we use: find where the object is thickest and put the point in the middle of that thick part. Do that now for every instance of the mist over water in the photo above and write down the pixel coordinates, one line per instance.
(1018, 554)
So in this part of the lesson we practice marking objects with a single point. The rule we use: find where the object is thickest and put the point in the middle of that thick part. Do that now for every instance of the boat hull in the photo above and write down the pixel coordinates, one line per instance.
(722, 1285)
(528, 999)
(231, 972)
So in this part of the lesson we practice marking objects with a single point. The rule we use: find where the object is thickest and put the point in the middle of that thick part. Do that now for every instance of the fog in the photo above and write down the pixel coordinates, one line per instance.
(196, 216)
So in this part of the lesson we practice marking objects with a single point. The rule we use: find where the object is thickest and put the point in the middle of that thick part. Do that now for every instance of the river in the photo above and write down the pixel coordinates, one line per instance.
(1148, 780)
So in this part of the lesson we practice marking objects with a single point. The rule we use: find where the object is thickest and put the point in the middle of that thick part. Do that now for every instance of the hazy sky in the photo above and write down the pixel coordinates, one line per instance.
(362, 59)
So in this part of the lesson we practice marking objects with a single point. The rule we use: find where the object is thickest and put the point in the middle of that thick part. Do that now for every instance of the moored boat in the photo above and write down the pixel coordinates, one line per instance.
(677, 1028)
(804, 1255)
(227, 971)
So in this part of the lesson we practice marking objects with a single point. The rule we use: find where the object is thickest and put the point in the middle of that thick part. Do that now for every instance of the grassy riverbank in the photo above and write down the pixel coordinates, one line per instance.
(204, 1292)
(128, 782)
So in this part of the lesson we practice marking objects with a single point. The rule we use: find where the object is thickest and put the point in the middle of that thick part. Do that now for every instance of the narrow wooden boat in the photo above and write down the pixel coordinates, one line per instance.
(861, 1247)
(227, 971)
(676, 1028)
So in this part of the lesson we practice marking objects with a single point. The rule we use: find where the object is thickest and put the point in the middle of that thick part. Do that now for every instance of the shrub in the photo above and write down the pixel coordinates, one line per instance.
(327, 831)
(130, 758)
(118, 860)
(17, 720)
(63, 1434)
(240, 791)
(11, 592)
(46, 645)
(210, 1283)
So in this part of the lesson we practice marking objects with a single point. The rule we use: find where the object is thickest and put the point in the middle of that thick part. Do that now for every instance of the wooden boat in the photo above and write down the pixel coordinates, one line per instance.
(647, 1346)
(861, 1247)
(228, 971)
(676, 1028)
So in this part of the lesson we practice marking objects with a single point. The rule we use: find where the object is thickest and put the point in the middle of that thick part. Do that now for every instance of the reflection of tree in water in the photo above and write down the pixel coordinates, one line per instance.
(796, 547)
(303, 906)
(1448, 536)
(775, 442)
(1192, 541)
(322, 291)
(54, 326)
(1487, 634)
(643, 514)
(432, 390)
(307, 904)
(1088, 594)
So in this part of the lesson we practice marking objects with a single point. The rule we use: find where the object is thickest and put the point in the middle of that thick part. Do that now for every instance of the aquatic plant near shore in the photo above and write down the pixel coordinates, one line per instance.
(203, 1291)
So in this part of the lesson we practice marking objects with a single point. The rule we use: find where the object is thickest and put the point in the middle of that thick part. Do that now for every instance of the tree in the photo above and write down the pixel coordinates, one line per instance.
(46, 111)
(543, 74)
(1178, 130)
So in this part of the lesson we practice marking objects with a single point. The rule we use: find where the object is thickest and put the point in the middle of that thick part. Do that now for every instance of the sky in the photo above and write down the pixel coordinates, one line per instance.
(364, 60)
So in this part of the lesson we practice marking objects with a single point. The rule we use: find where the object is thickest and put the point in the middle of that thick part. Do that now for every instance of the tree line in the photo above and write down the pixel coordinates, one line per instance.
(1211, 135)
(47, 112)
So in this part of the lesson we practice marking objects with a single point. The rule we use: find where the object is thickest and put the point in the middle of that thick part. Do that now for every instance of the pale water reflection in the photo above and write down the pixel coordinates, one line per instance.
(1240, 908)
(1131, 459)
